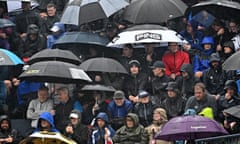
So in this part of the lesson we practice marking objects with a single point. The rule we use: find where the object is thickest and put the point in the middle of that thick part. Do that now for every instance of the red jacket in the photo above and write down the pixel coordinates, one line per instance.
(174, 61)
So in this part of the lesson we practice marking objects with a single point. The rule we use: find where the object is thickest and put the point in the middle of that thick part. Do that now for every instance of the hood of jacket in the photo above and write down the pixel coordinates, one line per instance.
(134, 117)
(48, 117)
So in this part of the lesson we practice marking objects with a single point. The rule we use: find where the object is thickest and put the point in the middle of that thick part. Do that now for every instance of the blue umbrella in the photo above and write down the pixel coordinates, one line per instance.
(8, 58)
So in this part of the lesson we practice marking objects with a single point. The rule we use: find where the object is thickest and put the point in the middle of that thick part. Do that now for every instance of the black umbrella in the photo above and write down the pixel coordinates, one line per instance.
(55, 72)
(6, 23)
(154, 11)
(84, 11)
(98, 87)
(80, 42)
(233, 111)
(233, 62)
(54, 54)
(103, 65)
(223, 9)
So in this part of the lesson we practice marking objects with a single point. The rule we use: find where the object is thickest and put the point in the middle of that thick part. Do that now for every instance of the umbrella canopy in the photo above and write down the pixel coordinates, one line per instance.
(103, 65)
(153, 11)
(223, 9)
(54, 54)
(8, 58)
(46, 138)
(233, 62)
(233, 111)
(81, 38)
(6, 23)
(55, 72)
(146, 34)
(204, 18)
(16, 5)
(84, 11)
(190, 128)
(98, 87)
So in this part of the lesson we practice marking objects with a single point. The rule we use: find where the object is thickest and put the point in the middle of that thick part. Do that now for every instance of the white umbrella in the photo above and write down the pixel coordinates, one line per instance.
(158, 36)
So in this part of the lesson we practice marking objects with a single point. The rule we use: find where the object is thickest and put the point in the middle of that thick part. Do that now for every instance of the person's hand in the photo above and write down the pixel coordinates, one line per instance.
(228, 96)
(69, 129)
(133, 98)
(3, 36)
(221, 31)
(53, 112)
(225, 124)
(186, 47)
(9, 139)
(198, 74)
(149, 58)
(107, 133)
(173, 76)
(232, 124)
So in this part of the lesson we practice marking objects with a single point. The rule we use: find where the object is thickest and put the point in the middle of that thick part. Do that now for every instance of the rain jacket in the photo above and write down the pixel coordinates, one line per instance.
(5, 133)
(98, 134)
(174, 61)
(49, 118)
(51, 39)
(156, 126)
(134, 135)
(199, 105)
(80, 131)
(201, 58)
(188, 82)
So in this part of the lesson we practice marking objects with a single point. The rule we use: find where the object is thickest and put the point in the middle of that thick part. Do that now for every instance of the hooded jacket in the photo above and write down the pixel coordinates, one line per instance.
(98, 133)
(47, 116)
(5, 133)
(157, 125)
(80, 131)
(135, 135)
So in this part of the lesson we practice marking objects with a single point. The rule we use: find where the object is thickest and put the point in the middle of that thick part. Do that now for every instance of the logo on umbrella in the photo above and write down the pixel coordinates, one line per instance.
(198, 127)
(32, 71)
(2, 59)
(148, 35)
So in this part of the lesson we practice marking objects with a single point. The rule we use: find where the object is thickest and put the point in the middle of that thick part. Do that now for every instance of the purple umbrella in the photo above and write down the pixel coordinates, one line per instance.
(190, 128)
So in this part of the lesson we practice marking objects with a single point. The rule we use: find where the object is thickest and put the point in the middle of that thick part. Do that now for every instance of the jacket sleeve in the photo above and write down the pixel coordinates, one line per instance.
(144, 136)
(32, 113)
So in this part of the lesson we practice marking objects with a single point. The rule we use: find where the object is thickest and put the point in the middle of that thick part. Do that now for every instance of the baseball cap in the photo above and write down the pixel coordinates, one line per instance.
(143, 94)
(157, 64)
(73, 115)
(118, 94)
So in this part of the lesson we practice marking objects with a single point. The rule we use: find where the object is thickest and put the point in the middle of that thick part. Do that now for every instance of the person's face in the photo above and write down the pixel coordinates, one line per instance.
(216, 27)
(32, 37)
(215, 64)
(51, 11)
(119, 102)
(4, 124)
(156, 116)
(74, 121)
(230, 91)
(227, 50)
(199, 93)
(173, 47)
(207, 46)
(189, 28)
(233, 27)
(134, 70)
(127, 52)
(129, 123)
(26, 5)
(144, 100)
(45, 124)
(62, 96)
(100, 123)
(157, 71)
(184, 74)
(149, 48)
(42, 95)
(171, 93)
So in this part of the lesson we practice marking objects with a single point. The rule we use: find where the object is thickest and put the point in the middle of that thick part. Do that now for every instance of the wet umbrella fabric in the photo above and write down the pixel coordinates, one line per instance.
(223, 9)
(103, 65)
(55, 72)
(8, 58)
(6, 23)
(81, 38)
(54, 54)
(145, 34)
(84, 11)
(16, 5)
(98, 87)
(154, 11)
(190, 128)
(47, 137)
(232, 63)
(233, 111)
